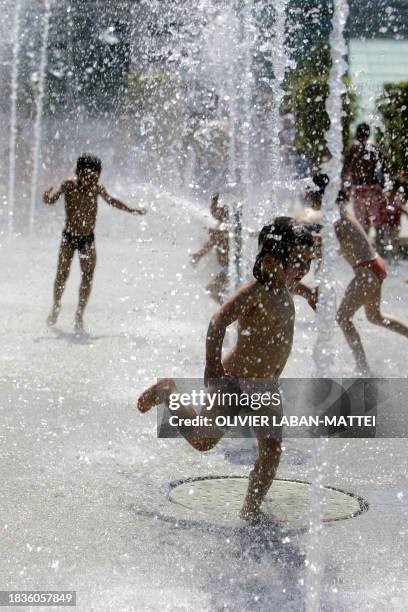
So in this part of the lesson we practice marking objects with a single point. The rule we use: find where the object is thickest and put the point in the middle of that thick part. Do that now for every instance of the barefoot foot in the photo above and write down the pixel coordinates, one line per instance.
(53, 316)
(79, 324)
(156, 394)
(258, 517)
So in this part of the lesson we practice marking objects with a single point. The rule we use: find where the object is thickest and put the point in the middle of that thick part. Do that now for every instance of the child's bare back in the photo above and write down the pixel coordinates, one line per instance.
(354, 243)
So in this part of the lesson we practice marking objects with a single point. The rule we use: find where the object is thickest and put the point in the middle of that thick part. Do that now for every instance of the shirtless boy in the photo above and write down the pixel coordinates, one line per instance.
(81, 207)
(218, 240)
(366, 286)
(265, 313)
(363, 168)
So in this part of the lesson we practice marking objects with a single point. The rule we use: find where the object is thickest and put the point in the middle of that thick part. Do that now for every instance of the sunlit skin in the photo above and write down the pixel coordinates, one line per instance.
(218, 240)
(364, 290)
(81, 207)
(265, 315)
(363, 165)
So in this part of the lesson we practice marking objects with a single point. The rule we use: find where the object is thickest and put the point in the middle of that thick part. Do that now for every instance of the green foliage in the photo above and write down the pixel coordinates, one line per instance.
(307, 89)
(154, 103)
(393, 107)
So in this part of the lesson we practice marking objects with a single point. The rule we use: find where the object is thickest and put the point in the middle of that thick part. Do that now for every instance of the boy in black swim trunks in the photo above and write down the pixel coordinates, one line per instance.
(81, 209)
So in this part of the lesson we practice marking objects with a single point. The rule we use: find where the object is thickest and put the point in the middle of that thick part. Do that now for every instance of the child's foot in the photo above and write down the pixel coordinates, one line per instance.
(156, 394)
(79, 324)
(257, 517)
(53, 316)
(364, 372)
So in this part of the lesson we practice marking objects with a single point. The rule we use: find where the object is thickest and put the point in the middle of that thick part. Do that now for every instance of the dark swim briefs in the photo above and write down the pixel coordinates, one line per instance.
(313, 227)
(77, 242)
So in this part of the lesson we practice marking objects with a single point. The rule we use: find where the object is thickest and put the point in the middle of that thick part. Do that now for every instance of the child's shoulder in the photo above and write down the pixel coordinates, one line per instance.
(251, 291)
(69, 185)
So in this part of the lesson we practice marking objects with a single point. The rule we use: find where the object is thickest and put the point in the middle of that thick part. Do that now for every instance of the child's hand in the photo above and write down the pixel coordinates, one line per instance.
(313, 298)
(47, 195)
(213, 372)
(139, 211)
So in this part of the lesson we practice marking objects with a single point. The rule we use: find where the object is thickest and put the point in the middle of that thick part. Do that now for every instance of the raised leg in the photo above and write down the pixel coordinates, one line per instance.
(65, 256)
(160, 393)
(375, 316)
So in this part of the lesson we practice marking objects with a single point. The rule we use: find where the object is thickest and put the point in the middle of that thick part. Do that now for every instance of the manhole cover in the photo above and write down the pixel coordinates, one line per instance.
(287, 500)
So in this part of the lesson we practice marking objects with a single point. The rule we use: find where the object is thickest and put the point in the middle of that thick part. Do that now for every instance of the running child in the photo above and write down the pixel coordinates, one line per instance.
(366, 286)
(396, 197)
(81, 207)
(363, 173)
(265, 313)
(218, 240)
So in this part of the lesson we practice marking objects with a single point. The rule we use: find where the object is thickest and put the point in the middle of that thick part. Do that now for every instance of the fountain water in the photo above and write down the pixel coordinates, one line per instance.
(280, 64)
(324, 352)
(39, 113)
(13, 116)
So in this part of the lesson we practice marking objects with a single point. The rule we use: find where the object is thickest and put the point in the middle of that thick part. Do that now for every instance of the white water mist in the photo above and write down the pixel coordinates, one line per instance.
(39, 104)
(324, 351)
(13, 117)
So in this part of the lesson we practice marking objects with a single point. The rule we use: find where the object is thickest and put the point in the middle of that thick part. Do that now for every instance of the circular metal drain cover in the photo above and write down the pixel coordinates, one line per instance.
(287, 500)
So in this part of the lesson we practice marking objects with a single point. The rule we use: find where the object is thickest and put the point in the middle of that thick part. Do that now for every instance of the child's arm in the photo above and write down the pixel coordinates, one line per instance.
(310, 295)
(238, 305)
(195, 257)
(50, 198)
(400, 204)
(118, 204)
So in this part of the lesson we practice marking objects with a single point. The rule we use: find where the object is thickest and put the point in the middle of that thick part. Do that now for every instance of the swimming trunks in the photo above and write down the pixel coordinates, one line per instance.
(77, 242)
(249, 392)
(376, 266)
(370, 205)
(313, 227)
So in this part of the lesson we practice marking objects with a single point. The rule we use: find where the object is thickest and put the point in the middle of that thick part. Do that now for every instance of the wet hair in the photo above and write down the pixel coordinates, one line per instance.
(89, 162)
(280, 239)
(341, 197)
(315, 195)
(363, 131)
(321, 181)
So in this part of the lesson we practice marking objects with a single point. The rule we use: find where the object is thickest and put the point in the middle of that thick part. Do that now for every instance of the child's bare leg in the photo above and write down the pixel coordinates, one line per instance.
(352, 301)
(87, 261)
(217, 287)
(160, 393)
(65, 256)
(261, 477)
(375, 316)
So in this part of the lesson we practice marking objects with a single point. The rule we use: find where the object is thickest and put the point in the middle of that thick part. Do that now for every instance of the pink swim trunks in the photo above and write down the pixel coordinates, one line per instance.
(376, 266)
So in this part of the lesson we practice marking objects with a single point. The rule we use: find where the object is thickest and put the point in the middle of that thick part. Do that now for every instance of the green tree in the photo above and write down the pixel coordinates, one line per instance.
(393, 107)
(307, 89)
(154, 103)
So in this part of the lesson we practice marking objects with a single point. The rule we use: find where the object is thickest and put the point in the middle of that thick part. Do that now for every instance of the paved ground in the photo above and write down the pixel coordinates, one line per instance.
(83, 504)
